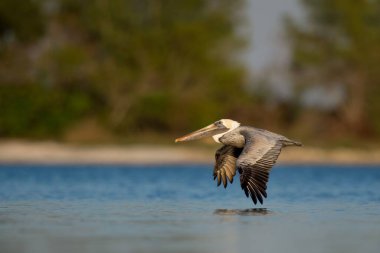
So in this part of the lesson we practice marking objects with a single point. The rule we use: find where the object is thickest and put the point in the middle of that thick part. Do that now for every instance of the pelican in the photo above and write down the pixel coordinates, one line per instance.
(251, 151)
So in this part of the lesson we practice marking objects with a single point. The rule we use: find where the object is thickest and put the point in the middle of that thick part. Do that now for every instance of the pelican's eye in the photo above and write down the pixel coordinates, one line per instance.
(219, 123)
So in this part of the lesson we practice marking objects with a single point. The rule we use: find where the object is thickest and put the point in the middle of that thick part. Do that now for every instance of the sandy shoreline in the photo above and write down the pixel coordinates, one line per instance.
(57, 153)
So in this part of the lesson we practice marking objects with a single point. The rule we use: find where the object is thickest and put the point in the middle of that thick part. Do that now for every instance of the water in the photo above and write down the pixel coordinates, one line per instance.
(74, 208)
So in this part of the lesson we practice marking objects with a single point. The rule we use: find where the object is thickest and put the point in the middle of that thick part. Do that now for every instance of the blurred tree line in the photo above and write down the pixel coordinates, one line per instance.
(339, 46)
(134, 65)
(138, 66)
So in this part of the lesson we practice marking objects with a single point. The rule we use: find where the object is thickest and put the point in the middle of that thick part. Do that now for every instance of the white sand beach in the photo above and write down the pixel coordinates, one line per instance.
(53, 152)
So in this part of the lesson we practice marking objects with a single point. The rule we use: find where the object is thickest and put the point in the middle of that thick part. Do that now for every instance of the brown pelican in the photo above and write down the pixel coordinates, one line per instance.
(249, 150)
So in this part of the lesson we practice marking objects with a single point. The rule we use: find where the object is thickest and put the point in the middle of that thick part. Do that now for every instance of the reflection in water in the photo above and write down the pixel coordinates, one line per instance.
(243, 212)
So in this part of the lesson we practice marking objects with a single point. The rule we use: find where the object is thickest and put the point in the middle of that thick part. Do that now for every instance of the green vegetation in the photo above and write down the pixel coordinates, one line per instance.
(133, 65)
(340, 45)
(135, 68)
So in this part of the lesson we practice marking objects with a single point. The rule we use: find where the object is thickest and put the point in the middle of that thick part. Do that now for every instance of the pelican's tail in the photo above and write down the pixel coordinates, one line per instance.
(288, 142)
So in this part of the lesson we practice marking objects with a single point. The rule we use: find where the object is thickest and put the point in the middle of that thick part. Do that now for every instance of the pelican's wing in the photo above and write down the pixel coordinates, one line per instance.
(259, 155)
(225, 164)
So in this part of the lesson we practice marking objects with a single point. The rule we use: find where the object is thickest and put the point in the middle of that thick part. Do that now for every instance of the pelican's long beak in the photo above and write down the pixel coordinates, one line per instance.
(207, 131)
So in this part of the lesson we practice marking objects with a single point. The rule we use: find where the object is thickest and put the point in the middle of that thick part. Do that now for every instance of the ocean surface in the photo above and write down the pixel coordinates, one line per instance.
(178, 208)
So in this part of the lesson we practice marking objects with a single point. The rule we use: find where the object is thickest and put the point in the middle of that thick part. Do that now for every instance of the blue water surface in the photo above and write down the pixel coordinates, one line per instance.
(178, 208)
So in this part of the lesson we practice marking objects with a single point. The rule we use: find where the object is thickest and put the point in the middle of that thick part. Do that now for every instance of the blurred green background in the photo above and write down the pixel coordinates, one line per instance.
(140, 70)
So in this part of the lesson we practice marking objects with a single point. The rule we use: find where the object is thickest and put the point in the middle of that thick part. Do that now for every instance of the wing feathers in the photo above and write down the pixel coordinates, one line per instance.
(225, 164)
(224, 179)
(256, 190)
(252, 192)
(219, 178)
(254, 166)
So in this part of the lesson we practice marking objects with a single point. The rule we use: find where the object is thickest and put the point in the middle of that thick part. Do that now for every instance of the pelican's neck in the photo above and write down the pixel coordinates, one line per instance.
(233, 126)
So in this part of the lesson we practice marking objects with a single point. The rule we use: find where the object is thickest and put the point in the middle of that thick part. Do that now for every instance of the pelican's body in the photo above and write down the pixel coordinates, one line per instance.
(250, 151)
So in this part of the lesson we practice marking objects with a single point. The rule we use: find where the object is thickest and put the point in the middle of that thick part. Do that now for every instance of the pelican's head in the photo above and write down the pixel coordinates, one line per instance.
(216, 130)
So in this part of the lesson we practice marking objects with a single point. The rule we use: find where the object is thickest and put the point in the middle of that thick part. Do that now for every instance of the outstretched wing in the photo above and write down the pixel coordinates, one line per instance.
(225, 164)
(254, 164)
